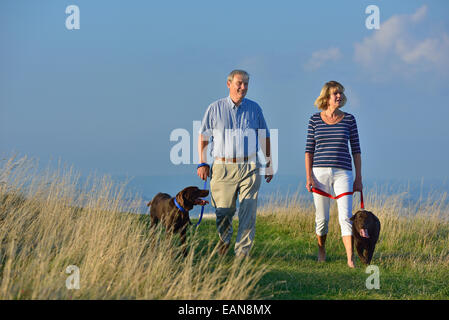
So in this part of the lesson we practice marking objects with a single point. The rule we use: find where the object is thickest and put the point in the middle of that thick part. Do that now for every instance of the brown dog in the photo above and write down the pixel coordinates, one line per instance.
(174, 211)
(365, 229)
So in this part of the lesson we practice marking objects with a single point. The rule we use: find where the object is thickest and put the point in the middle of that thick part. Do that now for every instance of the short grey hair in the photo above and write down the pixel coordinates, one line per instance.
(243, 73)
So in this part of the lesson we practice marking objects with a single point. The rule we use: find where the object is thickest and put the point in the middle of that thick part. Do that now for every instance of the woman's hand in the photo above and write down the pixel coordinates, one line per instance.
(358, 186)
(310, 184)
(309, 172)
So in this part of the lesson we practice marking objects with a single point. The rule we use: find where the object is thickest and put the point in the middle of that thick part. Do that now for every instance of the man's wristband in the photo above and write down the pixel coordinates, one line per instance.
(202, 165)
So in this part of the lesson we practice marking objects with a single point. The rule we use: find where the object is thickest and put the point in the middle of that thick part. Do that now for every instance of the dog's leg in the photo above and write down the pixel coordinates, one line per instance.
(370, 253)
(360, 252)
(154, 221)
(366, 259)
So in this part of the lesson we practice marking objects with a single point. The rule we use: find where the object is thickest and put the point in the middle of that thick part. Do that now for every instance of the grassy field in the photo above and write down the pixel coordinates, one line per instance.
(47, 223)
(412, 255)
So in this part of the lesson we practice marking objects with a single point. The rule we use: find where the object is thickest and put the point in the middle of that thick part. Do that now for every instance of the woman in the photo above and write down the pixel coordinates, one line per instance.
(328, 163)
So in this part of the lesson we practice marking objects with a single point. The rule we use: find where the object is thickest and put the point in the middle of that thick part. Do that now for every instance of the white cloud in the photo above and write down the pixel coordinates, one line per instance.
(419, 14)
(395, 47)
(320, 57)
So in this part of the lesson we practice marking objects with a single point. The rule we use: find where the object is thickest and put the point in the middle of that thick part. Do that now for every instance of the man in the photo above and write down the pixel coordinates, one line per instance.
(236, 127)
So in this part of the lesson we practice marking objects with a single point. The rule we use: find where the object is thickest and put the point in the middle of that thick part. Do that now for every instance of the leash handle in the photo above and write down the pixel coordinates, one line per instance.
(325, 194)
(202, 207)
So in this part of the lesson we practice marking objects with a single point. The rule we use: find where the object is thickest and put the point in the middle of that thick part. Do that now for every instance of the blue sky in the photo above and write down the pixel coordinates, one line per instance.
(106, 97)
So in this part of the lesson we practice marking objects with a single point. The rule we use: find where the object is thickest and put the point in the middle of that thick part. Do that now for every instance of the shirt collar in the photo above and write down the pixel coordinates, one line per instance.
(232, 104)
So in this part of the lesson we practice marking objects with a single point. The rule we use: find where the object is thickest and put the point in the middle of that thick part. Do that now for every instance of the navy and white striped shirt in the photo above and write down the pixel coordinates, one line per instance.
(329, 142)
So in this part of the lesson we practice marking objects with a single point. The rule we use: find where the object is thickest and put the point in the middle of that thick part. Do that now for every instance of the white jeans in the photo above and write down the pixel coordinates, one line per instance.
(340, 181)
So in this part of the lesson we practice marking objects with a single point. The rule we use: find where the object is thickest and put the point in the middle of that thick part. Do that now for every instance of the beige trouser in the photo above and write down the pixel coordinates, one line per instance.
(228, 181)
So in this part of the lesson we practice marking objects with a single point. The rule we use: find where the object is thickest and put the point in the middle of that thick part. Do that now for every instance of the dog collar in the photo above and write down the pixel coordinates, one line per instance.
(179, 206)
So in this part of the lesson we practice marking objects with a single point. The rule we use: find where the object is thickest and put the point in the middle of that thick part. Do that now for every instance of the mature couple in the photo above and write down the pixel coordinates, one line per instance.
(231, 122)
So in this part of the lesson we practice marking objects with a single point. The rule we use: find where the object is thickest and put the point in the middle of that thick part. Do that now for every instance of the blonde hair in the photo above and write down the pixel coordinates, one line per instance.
(322, 101)
(243, 73)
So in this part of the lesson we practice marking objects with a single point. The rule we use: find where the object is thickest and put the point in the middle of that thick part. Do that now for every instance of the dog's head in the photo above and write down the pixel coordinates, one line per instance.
(363, 220)
(191, 196)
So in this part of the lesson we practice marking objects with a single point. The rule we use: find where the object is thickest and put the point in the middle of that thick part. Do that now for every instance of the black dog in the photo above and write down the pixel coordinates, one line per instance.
(365, 229)
(174, 212)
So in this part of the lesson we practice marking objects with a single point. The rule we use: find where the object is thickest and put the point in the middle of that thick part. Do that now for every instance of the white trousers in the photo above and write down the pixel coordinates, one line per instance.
(339, 181)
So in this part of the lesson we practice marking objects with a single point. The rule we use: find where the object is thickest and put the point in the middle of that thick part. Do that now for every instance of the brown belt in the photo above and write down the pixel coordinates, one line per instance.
(235, 160)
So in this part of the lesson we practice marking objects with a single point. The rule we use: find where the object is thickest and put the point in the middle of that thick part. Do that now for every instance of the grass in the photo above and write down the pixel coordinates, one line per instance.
(412, 253)
(48, 222)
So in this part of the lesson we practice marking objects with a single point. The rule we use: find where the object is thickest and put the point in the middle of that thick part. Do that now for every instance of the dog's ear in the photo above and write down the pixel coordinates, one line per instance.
(352, 218)
(149, 203)
(184, 198)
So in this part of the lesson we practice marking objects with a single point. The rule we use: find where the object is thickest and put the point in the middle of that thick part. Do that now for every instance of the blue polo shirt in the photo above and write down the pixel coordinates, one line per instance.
(234, 130)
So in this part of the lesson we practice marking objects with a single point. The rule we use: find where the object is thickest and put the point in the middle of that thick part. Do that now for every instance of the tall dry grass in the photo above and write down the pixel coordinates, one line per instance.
(49, 222)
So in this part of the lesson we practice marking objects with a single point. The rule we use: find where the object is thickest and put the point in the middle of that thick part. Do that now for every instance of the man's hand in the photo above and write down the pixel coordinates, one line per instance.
(203, 172)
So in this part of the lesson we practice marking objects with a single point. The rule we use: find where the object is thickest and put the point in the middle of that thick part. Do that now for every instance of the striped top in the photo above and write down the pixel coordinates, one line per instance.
(329, 142)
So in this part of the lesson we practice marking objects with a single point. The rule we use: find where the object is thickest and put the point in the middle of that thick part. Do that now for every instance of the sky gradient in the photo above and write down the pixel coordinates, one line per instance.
(106, 97)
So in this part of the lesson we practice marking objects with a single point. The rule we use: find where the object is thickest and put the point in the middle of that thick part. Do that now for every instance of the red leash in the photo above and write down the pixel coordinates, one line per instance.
(320, 192)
